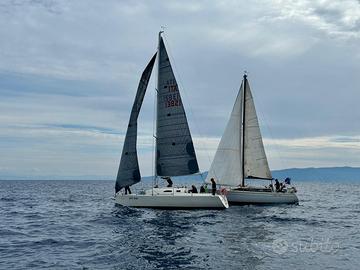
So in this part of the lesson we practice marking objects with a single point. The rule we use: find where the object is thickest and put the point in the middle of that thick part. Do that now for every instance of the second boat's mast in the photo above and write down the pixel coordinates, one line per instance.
(243, 134)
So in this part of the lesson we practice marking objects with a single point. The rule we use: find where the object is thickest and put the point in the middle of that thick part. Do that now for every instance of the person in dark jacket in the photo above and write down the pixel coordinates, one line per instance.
(193, 189)
(169, 181)
(277, 185)
(202, 189)
(287, 180)
(127, 189)
(213, 186)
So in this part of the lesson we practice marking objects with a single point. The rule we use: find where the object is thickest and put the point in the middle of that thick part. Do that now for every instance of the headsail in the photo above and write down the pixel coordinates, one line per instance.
(226, 167)
(129, 173)
(175, 153)
(255, 162)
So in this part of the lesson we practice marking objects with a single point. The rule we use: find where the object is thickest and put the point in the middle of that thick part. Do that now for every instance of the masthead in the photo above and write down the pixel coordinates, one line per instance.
(245, 74)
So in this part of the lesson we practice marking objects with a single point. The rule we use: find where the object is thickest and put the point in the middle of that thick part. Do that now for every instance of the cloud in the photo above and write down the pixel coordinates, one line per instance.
(313, 151)
(93, 150)
(57, 38)
(68, 76)
(337, 19)
(319, 142)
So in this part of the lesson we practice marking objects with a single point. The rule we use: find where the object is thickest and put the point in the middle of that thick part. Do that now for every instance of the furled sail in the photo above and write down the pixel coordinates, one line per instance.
(255, 161)
(226, 166)
(129, 173)
(175, 153)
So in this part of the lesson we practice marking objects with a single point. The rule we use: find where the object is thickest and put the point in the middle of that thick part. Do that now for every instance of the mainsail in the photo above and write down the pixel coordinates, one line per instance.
(233, 156)
(175, 153)
(129, 173)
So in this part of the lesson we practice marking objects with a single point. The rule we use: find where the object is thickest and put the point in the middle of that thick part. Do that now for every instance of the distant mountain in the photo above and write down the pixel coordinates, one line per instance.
(55, 177)
(320, 174)
(297, 174)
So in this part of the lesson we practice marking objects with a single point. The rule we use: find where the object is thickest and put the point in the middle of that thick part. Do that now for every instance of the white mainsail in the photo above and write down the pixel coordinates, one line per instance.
(227, 165)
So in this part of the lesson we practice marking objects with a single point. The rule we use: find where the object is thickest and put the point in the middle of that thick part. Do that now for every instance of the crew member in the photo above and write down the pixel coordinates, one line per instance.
(193, 189)
(169, 181)
(277, 185)
(213, 186)
(127, 189)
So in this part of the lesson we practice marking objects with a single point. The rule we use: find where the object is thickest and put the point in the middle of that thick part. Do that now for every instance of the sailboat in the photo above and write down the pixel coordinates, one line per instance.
(241, 156)
(174, 150)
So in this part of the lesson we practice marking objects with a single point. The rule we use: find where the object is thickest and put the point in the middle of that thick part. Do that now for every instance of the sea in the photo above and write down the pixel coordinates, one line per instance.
(76, 225)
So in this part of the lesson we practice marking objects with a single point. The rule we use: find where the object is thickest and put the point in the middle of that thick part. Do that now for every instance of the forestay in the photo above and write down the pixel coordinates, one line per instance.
(129, 173)
(175, 153)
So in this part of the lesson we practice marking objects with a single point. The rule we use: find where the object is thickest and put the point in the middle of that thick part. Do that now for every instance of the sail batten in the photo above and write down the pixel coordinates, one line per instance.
(175, 153)
(128, 172)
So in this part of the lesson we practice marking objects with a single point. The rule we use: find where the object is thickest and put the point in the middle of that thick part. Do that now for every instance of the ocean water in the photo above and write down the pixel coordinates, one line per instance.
(76, 225)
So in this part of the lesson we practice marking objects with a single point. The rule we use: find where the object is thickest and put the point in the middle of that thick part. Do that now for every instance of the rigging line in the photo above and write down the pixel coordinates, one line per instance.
(187, 100)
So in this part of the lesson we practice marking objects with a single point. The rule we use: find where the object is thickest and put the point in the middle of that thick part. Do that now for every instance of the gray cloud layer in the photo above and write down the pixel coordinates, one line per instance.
(68, 65)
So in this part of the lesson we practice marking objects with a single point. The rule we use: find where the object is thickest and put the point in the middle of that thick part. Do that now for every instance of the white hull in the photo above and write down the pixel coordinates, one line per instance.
(260, 197)
(172, 198)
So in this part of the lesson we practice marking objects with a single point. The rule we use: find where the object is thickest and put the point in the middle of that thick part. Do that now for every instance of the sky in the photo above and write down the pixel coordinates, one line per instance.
(69, 72)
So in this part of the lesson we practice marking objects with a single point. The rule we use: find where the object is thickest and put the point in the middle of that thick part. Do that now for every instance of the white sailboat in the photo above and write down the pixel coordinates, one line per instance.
(241, 155)
(175, 153)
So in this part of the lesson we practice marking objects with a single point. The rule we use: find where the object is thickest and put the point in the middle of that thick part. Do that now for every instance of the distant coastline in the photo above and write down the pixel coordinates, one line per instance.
(320, 174)
(297, 174)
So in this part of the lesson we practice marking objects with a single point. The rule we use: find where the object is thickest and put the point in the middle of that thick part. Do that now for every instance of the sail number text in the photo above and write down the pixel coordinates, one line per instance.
(172, 98)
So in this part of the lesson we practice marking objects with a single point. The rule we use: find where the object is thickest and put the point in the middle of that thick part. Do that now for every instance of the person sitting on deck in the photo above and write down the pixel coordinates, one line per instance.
(202, 189)
(277, 185)
(193, 189)
(213, 186)
(168, 180)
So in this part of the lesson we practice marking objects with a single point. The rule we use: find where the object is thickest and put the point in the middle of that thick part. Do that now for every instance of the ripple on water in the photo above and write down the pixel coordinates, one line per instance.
(75, 225)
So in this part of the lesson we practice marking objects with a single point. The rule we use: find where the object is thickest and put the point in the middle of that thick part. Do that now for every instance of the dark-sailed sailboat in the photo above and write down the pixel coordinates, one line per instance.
(175, 153)
(241, 155)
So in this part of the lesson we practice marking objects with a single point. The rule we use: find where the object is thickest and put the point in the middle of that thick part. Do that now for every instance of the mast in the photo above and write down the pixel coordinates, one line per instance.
(243, 133)
(156, 110)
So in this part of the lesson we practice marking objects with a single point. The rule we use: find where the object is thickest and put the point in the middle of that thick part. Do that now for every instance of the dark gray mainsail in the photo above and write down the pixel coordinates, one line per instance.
(129, 173)
(175, 153)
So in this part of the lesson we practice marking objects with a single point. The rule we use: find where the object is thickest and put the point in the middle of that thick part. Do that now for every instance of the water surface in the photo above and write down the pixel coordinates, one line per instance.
(76, 225)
